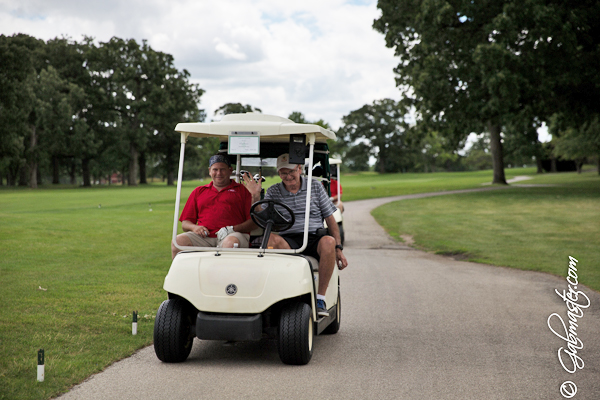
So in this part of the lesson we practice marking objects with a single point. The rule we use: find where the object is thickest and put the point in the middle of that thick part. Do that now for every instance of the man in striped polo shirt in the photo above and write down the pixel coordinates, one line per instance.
(292, 191)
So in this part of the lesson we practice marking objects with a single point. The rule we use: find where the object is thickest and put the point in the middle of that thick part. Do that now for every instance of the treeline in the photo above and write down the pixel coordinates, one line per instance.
(386, 132)
(501, 67)
(90, 110)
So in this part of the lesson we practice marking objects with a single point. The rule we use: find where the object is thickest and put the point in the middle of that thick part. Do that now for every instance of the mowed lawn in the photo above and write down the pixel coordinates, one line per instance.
(369, 185)
(530, 228)
(76, 262)
(75, 265)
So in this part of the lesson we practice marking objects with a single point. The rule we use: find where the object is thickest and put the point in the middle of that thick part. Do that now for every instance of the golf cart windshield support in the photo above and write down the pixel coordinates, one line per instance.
(184, 137)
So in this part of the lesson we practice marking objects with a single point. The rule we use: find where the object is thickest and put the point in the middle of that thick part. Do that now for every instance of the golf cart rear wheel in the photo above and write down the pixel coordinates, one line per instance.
(173, 336)
(296, 334)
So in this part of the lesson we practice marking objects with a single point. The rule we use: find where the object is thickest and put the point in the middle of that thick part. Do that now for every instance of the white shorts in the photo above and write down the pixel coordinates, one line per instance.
(199, 241)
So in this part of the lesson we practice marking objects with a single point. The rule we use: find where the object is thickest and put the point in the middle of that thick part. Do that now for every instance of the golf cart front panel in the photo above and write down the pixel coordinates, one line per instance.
(235, 282)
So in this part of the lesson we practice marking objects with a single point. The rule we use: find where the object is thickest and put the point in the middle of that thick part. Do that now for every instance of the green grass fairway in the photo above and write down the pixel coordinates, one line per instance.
(534, 228)
(369, 185)
(75, 264)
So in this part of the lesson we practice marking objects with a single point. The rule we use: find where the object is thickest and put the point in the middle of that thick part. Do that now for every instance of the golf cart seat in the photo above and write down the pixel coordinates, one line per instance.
(314, 263)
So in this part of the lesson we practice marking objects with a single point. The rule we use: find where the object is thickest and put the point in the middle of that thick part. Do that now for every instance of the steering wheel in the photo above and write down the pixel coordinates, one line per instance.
(271, 215)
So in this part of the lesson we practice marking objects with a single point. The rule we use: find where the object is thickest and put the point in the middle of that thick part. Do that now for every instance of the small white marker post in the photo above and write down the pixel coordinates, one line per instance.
(134, 324)
(40, 371)
(150, 205)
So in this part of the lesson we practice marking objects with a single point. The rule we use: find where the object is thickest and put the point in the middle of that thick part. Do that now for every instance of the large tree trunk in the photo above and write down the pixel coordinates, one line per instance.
(73, 173)
(33, 162)
(540, 169)
(497, 157)
(55, 171)
(23, 175)
(538, 153)
(143, 168)
(170, 178)
(11, 179)
(133, 164)
(85, 171)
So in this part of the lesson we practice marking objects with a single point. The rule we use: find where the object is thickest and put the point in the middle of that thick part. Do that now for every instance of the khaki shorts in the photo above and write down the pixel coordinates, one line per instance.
(199, 241)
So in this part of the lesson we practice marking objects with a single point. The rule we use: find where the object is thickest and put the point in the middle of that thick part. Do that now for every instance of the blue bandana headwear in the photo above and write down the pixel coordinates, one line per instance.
(218, 158)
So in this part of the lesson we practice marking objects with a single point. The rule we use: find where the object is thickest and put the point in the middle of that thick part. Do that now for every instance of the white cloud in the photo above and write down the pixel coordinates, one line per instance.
(318, 57)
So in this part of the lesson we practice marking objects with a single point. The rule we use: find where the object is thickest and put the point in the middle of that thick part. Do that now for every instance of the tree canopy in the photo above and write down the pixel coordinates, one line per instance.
(90, 109)
(499, 66)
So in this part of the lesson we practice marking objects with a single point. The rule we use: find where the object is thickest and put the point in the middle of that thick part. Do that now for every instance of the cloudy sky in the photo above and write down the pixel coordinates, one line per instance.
(319, 57)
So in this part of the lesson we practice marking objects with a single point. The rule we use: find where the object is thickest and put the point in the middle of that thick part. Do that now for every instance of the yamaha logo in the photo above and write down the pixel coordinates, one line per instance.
(231, 289)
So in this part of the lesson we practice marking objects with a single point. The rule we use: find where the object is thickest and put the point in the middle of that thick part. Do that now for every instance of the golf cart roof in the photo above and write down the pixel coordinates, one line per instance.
(270, 127)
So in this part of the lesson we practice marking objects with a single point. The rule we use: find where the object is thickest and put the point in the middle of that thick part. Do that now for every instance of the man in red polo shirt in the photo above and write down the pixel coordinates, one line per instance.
(218, 214)
(335, 199)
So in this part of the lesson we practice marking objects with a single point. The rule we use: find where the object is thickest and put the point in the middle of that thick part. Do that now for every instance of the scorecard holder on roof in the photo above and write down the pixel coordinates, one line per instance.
(244, 143)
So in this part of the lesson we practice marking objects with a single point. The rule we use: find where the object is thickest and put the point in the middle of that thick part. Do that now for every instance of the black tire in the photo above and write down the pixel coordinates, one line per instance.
(341, 227)
(296, 334)
(334, 327)
(173, 336)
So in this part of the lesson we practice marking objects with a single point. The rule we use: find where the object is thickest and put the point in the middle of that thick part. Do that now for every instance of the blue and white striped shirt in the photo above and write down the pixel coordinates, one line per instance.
(320, 205)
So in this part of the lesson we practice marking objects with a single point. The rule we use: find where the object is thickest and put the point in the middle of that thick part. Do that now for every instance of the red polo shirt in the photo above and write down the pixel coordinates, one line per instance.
(333, 188)
(215, 209)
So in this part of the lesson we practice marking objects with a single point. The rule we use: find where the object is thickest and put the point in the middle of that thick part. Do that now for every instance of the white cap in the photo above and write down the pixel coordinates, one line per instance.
(283, 161)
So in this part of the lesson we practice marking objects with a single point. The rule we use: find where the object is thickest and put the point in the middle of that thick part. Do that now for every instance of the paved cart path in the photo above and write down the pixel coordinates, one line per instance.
(414, 326)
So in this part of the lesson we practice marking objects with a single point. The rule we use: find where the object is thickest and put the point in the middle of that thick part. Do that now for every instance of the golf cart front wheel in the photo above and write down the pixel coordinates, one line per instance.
(173, 336)
(296, 334)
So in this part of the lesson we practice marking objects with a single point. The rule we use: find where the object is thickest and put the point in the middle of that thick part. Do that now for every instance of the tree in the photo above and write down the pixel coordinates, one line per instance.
(496, 64)
(381, 126)
(20, 62)
(434, 153)
(336, 147)
(576, 144)
(465, 66)
(236, 108)
(175, 101)
(67, 106)
(357, 157)
(54, 126)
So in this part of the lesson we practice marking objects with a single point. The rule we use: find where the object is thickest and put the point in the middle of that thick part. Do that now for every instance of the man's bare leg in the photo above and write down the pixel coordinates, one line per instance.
(182, 240)
(326, 250)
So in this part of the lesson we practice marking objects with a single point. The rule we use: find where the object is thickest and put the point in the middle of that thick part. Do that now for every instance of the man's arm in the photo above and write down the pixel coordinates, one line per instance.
(334, 231)
(246, 226)
(189, 226)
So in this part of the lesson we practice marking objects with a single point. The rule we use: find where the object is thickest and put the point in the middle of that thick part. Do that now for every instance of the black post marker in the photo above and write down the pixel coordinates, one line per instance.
(134, 324)
(40, 369)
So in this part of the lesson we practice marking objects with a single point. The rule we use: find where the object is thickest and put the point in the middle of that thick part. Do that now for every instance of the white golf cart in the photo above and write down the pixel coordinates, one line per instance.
(243, 294)
(335, 164)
